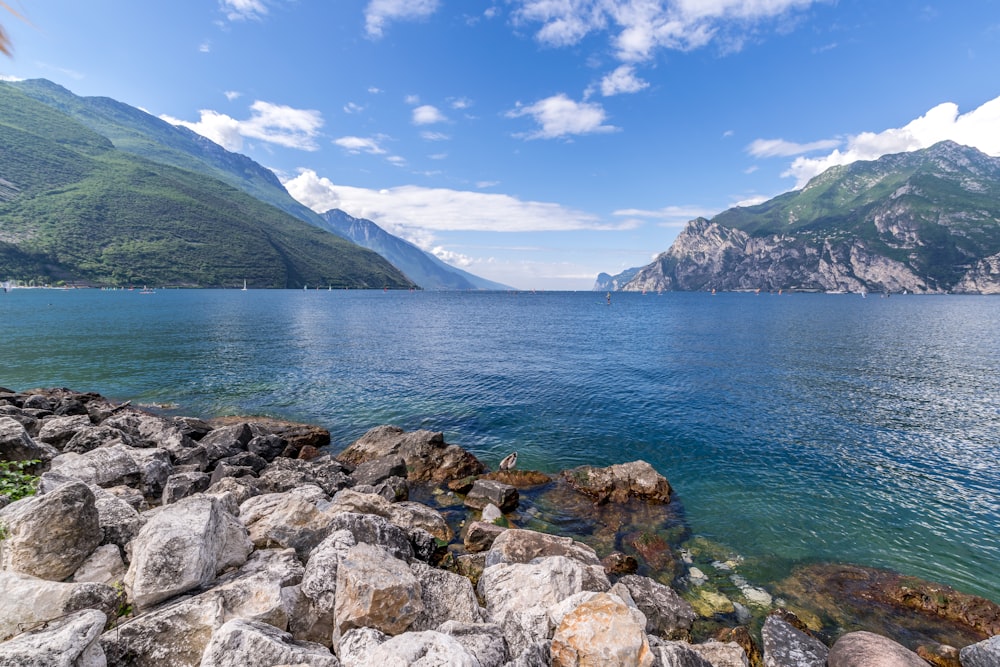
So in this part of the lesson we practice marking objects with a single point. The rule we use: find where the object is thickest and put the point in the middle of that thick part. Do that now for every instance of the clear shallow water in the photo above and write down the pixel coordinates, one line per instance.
(794, 428)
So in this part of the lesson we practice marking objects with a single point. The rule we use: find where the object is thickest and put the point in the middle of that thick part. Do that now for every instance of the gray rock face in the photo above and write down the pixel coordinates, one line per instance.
(787, 646)
(373, 529)
(479, 536)
(71, 641)
(183, 484)
(104, 566)
(984, 654)
(104, 466)
(668, 615)
(57, 431)
(865, 649)
(378, 470)
(243, 643)
(679, 654)
(49, 536)
(184, 545)
(427, 648)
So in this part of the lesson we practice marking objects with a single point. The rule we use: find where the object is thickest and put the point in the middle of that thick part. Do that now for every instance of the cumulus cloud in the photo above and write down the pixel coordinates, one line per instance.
(668, 216)
(380, 13)
(407, 209)
(360, 145)
(979, 128)
(273, 123)
(242, 10)
(640, 27)
(622, 80)
(559, 116)
(427, 115)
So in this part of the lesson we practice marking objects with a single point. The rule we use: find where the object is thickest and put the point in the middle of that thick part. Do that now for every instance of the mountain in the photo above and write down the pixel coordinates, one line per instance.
(926, 221)
(606, 282)
(424, 268)
(134, 131)
(73, 207)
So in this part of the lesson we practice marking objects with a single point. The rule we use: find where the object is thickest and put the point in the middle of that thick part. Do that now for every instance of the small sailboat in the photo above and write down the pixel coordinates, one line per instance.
(244, 285)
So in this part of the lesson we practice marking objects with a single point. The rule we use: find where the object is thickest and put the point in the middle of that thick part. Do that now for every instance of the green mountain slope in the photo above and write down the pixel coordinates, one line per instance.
(923, 221)
(72, 207)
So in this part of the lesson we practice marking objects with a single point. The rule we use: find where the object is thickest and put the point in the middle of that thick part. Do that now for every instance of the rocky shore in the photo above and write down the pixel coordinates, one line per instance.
(173, 541)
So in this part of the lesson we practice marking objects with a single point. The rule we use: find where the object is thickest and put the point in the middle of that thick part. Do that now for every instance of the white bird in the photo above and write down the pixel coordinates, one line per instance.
(509, 462)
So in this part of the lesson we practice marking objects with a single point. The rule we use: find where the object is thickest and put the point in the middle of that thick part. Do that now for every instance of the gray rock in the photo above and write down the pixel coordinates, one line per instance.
(373, 529)
(104, 466)
(71, 641)
(287, 520)
(243, 643)
(667, 614)
(284, 474)
(490, 514)
(184, 546)
(679, 654)
(268, 446)
(380, 469)
(57, 431)
(177, 632)
(154, 469)
(375, 590)
(486, 492)
(183, 484)
(393, 489)
(984, 654)
(226, 441)
(17, 445)
(865, 649)
(104, 566)
(240, 488)
(786, 646)
(49, 536)
(518, 596)
(92, 437)
(319, 583)
(29, 601)
(483, 640)
(356, 644)
(522, 546)
(120, 522)
(722, 654)
(446, 596)
(427, 648)
(480, 536)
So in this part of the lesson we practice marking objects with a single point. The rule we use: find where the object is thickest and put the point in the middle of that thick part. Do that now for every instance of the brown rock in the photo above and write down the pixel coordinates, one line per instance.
(940, 655)
(479, 536)
(601, 632)
(619, 482)
(619, 563)
(522, 479)
(428, 458)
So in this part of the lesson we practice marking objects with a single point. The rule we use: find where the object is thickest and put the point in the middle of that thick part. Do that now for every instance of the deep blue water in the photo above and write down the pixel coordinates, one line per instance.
(794, 428)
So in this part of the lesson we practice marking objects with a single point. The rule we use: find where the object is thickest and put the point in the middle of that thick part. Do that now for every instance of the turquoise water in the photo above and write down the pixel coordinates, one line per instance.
(794, 428)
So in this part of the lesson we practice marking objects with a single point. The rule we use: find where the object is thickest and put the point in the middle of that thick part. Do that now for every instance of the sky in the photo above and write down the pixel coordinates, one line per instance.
(536, 143)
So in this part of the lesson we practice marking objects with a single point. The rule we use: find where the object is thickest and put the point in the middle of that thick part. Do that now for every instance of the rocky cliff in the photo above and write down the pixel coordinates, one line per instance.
(923, 222)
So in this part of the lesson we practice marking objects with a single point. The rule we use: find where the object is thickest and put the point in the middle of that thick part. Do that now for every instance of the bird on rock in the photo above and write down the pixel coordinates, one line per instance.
(509, 461)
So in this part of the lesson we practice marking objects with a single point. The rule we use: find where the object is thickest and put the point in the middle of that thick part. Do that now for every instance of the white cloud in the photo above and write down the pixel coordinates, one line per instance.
(640, 27)
(452, 257)
(404, 209)
(780, 147)
(560, 116)
(205, 47)
(622, 80)
(461, 103)
(979, 128)
(232, 95)
(360, 145)
(241, 10)
(668, 216)
(273, 123)
(351, 107)
(380, 12)
(427, 115)
(434, 136)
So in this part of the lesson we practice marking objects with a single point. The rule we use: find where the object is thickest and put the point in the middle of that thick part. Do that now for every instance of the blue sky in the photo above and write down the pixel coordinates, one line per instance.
(535, 142)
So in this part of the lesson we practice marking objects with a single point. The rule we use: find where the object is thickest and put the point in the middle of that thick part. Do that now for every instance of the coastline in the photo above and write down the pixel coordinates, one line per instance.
(624, 546)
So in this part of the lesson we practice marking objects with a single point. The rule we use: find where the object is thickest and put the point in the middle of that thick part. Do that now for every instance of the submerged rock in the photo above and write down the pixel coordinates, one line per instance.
(619, 482)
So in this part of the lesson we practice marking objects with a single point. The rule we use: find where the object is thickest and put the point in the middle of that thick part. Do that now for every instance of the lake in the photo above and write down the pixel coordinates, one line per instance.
(794, 428)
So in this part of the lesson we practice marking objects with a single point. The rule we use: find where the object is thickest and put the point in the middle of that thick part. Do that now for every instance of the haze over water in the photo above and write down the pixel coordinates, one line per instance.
(793, 428)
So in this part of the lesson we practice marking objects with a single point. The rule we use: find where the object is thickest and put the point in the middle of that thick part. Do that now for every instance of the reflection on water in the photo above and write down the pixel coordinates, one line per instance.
(794, 428)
